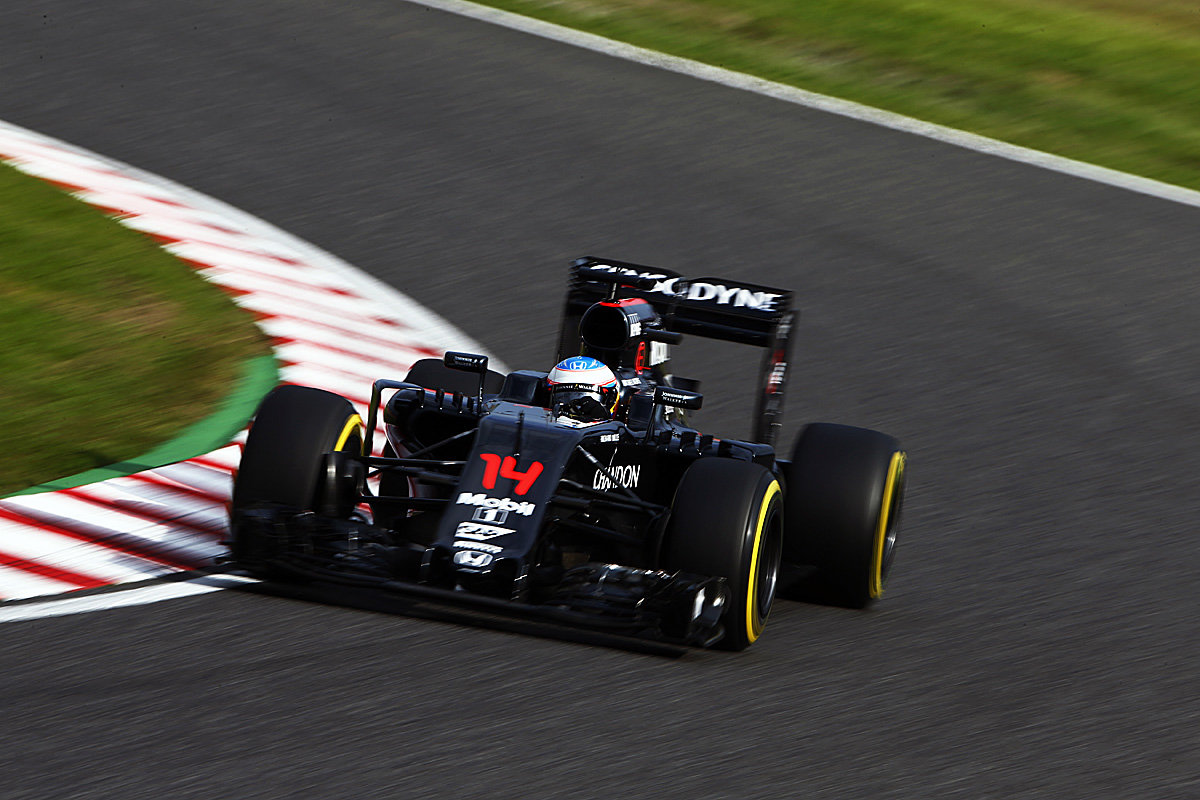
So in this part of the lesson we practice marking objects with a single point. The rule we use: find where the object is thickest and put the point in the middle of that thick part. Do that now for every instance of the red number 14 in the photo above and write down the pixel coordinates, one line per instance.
(507, 468)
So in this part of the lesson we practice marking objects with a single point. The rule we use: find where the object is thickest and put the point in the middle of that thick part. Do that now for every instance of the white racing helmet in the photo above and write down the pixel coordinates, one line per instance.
(575, 379)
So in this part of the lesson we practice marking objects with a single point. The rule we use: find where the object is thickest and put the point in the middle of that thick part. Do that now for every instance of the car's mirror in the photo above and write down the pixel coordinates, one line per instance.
(466, 362)
(677, 398)
(469, 362)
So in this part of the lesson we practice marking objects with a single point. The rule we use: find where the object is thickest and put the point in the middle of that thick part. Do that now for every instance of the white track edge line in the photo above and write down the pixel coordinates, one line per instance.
(119, 598)
(820, 102)
(381, 305)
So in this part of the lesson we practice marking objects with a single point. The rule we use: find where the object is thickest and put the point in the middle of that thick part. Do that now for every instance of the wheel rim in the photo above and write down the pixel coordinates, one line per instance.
(769, 563)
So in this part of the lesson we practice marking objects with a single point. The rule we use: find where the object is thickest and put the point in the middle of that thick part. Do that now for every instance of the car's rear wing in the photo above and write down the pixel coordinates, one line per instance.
(716, 308)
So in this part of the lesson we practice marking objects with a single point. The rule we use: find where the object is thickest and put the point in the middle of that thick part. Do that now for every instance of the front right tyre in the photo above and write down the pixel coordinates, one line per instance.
(285, 460)
(727, 521)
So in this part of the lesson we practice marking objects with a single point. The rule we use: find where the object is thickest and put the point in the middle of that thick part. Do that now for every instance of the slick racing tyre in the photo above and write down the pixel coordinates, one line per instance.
(845, 490)
(727, 521)
(284, 461)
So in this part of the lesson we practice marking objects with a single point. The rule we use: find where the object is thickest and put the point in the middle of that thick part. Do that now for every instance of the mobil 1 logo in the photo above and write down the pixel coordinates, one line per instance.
(494, 515)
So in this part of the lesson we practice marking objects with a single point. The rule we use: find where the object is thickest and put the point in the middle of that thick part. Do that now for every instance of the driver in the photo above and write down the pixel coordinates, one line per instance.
(583, 388)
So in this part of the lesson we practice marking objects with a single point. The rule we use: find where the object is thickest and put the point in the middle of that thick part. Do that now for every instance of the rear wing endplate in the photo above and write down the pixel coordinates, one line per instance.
(715, 308)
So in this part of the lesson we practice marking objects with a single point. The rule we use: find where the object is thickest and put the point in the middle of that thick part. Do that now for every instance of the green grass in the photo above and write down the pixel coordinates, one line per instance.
(108, 345)
(1110, 82)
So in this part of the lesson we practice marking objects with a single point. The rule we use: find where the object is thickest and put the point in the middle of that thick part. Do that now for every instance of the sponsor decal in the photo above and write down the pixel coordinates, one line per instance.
(722, 295)
(778, 373)
(469, 361)
(567, 422)
(736, 296)
(472, 558)
(635, 327)
(610, 437)
(579, 364)
(657, 276)
(498, 503)
(487, 548)
(476, 530)
(490, 515)
(627, 475)
(506, 467)
(659, 353)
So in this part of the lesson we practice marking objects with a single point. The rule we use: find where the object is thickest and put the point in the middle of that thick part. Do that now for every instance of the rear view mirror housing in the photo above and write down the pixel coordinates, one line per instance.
(677, 398)
(466, 362)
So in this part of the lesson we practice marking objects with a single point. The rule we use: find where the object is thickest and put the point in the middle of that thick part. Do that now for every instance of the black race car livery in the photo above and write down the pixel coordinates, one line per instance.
(629, 523)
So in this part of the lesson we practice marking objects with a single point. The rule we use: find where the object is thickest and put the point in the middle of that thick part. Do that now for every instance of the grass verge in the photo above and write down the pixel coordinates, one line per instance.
(1109, 82)
(110, 346)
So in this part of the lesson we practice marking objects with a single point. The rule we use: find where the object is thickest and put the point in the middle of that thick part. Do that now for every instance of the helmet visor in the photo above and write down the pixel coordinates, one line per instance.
(568, 395)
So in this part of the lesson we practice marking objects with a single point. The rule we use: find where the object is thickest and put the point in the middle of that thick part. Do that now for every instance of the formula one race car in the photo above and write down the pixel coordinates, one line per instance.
(579, 497)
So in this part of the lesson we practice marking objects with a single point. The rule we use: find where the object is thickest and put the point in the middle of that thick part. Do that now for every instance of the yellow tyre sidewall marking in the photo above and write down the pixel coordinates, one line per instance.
(353, 423)
(895, 477)
(754, 626)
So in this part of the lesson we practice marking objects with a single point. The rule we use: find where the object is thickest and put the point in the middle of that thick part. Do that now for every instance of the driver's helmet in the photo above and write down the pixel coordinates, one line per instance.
(583, 387)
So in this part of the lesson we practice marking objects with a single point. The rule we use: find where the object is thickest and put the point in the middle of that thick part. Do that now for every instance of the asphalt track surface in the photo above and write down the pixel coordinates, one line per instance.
(1030, 336)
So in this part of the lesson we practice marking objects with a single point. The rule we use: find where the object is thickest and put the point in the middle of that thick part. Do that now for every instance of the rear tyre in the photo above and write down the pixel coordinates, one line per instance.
(845, 494)
(727, 521)
(284, 461)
